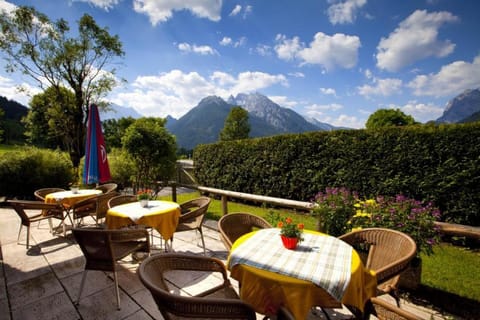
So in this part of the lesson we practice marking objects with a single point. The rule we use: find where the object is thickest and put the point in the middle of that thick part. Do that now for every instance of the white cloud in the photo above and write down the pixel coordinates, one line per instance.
(381, 87)
(297, 75)
(368, 74)
(10, 90)
(226, 41)
(452, 79)
(6, 6)
(344, 120)
(327, 51)
(420, 111)
(317, 111)
(287, 49)
(263, 50)
(161, 11)
(236, 10)
(248, 10)
(103, 4)
(222, 78)
(344, 12)
(203, 50)
(176, 92)
(328, 91)
(252, 81)
(414, 39)
(283, 101)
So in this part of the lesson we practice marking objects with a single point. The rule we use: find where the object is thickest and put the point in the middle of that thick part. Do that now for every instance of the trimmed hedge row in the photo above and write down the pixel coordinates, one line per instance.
(437, 163)
(23, 172)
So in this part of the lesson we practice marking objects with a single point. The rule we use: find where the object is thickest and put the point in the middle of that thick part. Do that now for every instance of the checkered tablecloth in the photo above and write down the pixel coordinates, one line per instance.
(321, 259)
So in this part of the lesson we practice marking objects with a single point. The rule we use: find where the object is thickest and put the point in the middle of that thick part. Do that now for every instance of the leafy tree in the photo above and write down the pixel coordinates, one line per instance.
(50, 116)
(152, 148)
(114, 130)
(236, 125)
(387, 118)
(42, 49)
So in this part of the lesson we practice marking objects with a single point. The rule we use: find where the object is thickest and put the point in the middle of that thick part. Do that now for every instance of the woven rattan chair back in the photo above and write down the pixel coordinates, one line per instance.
(192, 217)
(95, 207)
(41, 193)
(234, 225)
(386, 251)
(107, 187)
(102, 248)
(33, 211)
(118, 200)
(218, 302)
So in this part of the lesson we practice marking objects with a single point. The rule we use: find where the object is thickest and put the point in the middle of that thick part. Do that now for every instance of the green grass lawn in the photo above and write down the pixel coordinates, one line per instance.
(451, 268)
(7, 148)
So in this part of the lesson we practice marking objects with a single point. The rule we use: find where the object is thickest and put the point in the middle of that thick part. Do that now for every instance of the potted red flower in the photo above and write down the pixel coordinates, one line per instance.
(290, 233)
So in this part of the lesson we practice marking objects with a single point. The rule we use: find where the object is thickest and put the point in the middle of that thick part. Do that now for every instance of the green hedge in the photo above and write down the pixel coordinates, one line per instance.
(24, 171)
(438, 163)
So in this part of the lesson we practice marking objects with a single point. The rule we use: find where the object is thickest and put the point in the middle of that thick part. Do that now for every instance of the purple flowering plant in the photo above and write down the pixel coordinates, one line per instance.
(333, 209)
(401, 213)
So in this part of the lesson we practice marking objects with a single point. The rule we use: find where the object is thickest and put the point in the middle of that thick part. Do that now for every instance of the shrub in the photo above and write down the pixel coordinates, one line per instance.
(122, 168)
(432, 163)
(400, 213)
(24, 171)
(333, 209)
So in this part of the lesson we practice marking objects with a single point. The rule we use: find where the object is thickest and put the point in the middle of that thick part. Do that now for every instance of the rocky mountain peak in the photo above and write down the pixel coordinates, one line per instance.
(462, 106)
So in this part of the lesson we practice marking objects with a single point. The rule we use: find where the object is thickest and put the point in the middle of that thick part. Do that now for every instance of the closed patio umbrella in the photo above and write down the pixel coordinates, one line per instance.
(96, 169)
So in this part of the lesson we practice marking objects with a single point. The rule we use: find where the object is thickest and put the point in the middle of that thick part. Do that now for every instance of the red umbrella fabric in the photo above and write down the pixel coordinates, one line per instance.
(96, 169)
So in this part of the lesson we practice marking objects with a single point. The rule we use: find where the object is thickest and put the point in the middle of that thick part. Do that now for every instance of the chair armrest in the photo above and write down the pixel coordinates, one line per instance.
(385, 310)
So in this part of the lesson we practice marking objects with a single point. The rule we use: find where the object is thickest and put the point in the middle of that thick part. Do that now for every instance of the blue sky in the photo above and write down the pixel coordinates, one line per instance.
(335, 60)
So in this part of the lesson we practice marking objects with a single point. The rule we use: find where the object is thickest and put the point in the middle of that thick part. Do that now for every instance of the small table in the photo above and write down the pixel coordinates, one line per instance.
(68, 199)
(163, 216)
(262, 270)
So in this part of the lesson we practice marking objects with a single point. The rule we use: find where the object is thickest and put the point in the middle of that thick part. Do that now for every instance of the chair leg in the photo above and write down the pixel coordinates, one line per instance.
(50, 224)
(203, 241)
(19, 231)
(117, 292)
(28, 237)
(81, 286)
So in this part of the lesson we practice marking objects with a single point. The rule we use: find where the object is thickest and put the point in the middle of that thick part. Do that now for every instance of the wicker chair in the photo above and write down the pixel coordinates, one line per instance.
(233, 225)
(34, 211)
(107, 187)
(41, 193)
(95, 207)
(103, 248)
(219, 302)
(118, 200)
(386, 251)
(192, 217)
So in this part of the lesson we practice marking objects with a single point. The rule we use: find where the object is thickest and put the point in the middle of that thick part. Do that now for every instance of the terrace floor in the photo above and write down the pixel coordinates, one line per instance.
(43, 282)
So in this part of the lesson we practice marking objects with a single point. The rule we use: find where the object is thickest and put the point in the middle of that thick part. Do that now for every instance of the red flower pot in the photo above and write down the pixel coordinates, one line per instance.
(289, 243)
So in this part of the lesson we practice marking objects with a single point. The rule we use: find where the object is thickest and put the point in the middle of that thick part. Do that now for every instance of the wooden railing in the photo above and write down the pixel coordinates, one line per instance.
(225, 194)
(450, 229)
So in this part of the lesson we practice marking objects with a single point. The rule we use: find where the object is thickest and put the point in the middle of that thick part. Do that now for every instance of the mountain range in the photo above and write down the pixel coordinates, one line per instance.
(203, 123)
(460, 108)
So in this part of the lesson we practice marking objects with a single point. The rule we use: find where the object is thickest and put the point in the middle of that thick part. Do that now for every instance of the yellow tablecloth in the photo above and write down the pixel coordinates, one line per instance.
(161, 215)
(68, 198)
(266, 291)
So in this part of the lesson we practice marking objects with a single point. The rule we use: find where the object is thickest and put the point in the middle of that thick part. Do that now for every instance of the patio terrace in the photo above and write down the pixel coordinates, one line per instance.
(43, 282)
